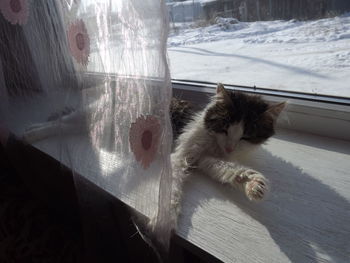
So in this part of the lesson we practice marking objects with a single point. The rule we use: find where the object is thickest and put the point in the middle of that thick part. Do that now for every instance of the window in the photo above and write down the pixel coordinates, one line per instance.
(294, 50)
(299, 46)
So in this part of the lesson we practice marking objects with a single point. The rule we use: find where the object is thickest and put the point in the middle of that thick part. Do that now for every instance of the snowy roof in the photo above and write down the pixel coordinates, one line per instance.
(203, 2)
(190, 2)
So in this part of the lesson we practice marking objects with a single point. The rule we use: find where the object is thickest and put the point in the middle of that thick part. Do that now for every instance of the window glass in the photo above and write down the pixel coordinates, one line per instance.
(278, 44)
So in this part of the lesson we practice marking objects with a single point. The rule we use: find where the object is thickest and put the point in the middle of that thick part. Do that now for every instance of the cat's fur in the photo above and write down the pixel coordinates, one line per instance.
(230, 126)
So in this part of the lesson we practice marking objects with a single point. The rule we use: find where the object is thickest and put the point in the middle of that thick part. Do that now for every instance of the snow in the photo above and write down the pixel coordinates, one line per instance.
(190, 2)
(307, 56)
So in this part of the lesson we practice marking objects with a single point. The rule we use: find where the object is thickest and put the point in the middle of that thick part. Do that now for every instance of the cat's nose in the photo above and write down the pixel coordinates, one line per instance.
(229, 149)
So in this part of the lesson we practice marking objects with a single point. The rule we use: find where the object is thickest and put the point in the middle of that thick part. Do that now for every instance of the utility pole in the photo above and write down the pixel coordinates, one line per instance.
(258, 10)
(270, 9)
(192, 10)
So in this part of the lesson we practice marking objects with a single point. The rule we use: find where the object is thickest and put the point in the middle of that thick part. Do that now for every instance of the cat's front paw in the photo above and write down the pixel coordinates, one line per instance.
(255, 185)
(33, 133)
(29, 136)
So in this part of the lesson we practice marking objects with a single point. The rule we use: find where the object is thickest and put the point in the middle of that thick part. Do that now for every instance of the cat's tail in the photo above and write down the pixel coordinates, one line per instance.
(181, 113)
(145, 228)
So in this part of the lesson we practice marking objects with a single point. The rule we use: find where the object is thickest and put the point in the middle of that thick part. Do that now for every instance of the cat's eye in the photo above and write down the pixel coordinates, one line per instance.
(245, 137)
(224, 132)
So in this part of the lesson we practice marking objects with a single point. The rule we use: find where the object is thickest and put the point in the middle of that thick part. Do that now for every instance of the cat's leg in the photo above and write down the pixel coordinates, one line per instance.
(181, 170)
(73, 123)
(41, 131)
(179, 175)
(250, 182)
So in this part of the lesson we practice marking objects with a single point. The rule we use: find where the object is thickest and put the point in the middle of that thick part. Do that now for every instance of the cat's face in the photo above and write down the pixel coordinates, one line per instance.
(236, 119)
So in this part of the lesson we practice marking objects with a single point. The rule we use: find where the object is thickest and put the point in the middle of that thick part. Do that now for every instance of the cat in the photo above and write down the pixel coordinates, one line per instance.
(230, 126)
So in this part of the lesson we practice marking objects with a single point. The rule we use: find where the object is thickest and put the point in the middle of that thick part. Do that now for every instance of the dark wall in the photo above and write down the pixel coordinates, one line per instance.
(276, 9)
(342, 5)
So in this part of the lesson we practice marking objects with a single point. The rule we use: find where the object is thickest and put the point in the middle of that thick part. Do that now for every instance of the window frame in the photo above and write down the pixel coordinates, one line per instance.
(311, 113)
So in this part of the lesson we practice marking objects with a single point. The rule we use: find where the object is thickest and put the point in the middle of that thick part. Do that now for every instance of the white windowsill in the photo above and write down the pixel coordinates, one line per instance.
(305, 216)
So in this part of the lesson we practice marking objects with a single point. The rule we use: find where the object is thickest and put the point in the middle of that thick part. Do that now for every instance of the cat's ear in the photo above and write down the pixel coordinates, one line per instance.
(275, 110)
(222, 94)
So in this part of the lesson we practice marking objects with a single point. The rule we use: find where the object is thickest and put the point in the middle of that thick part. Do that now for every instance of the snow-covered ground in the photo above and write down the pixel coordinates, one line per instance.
(308, 56)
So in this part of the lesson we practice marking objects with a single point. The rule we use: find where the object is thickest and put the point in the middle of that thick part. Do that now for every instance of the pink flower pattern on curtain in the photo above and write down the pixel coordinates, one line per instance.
(15, 11)
(144, 139)
(79, 42)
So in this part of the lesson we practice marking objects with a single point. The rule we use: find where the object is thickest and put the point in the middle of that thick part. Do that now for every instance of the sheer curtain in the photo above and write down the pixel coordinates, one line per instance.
(106, 60)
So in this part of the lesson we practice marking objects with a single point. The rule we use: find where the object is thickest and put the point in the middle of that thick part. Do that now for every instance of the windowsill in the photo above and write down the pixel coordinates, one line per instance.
(306, 213)
(305, 216)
